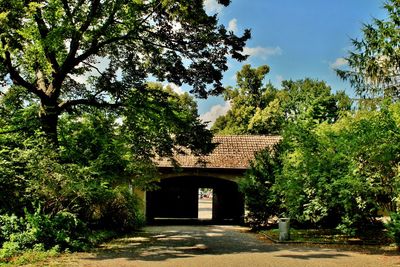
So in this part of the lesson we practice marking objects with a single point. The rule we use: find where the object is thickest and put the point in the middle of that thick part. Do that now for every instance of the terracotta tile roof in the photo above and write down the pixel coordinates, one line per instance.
(232, 152)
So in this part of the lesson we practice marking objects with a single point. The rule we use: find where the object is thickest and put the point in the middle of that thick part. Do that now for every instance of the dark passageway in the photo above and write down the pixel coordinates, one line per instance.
(177, 199)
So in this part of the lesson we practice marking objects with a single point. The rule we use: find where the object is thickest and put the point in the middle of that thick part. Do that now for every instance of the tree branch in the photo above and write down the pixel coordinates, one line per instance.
(71, 61)
(44, 31)
(148, 15)
(92, 66)
(87, 102)
(18, 80)
(14, 130)
(92, 13)
(97, 46)
(67, 10)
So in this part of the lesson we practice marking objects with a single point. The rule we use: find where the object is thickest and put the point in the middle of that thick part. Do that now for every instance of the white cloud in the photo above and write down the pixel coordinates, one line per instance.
(212, 6)
(262, 52)
(232, 25)
(215, 112)
(339, 62)
(177, 89)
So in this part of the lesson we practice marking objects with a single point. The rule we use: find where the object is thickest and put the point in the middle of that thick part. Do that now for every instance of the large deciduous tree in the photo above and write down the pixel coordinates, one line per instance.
(99, 154)
(53, 48)
(259, 108)
(375, 60)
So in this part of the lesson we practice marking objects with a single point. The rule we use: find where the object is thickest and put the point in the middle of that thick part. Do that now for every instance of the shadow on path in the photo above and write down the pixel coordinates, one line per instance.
(160, 243)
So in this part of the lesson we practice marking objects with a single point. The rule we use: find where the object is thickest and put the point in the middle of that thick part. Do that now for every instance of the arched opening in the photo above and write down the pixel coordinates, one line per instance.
(205, 206)
(177, 199)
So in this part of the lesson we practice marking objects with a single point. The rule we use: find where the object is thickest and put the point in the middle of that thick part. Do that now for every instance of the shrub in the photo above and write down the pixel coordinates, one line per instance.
(8, 250)
(393, 227)
(69, 231)
(258, 186)
(40, 231)
(122, 211)
(9, 224)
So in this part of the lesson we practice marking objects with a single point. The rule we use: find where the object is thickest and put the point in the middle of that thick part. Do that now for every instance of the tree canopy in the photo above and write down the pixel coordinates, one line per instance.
(260, 108)
(374, 62)
(52, 48)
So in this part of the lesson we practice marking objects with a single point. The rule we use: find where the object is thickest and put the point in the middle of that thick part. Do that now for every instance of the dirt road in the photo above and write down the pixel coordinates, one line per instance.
(214, 246)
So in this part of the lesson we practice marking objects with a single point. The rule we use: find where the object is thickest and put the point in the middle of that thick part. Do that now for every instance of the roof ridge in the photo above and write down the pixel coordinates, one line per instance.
(232, 151)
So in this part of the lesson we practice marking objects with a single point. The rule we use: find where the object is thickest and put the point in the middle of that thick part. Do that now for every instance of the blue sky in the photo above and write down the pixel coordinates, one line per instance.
(297, 39)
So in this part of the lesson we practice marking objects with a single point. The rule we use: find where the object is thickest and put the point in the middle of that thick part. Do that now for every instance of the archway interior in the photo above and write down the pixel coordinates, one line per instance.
(178, 199)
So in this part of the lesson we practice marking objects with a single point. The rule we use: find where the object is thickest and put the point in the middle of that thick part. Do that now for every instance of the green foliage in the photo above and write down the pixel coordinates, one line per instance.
(76, 139)
(101, 153)
(38, 231)
(258, 186)
(342, 173)
(121, 211)
(374, 62)
(98, 151)
(393, 227)
(53, 50)
(30, 256)
(8, 225)
(312, 100)
(334, 174)
(8, 250)
(262, 109)
(250, 82)
(158, 120)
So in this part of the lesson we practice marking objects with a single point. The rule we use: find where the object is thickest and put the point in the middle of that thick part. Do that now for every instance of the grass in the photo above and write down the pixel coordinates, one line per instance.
(370, 237)
(16, 257)
(30, 257)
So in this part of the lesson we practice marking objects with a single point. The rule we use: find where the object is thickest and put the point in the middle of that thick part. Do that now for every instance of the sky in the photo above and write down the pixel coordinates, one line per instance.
(297, 39)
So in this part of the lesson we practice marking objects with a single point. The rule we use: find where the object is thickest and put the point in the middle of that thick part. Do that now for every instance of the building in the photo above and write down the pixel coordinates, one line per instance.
(179, 187)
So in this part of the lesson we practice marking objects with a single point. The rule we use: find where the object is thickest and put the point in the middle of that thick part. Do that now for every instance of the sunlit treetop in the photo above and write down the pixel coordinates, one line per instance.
(53, 49)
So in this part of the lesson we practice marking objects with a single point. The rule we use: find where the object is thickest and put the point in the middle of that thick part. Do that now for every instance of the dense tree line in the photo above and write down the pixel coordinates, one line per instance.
(342, 175)
(337, 163)
(258, 108)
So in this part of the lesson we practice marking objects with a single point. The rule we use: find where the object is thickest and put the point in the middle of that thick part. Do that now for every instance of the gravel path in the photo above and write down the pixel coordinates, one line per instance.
(216, 246)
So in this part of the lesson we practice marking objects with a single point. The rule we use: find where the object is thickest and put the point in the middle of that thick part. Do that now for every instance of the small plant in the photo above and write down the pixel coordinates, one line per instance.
(9, 224)
(36, 254)
(8, 250)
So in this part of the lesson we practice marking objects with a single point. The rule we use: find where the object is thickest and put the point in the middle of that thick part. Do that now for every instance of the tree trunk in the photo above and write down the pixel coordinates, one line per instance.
(49, 119)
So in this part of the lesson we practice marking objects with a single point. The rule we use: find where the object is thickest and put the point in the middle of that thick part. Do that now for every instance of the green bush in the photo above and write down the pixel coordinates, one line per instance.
(9, 224)
(258, 187)
(393, 227)
(40, 231)
(122, 211)
(8, 250)
(66, 230)
(69, 231)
